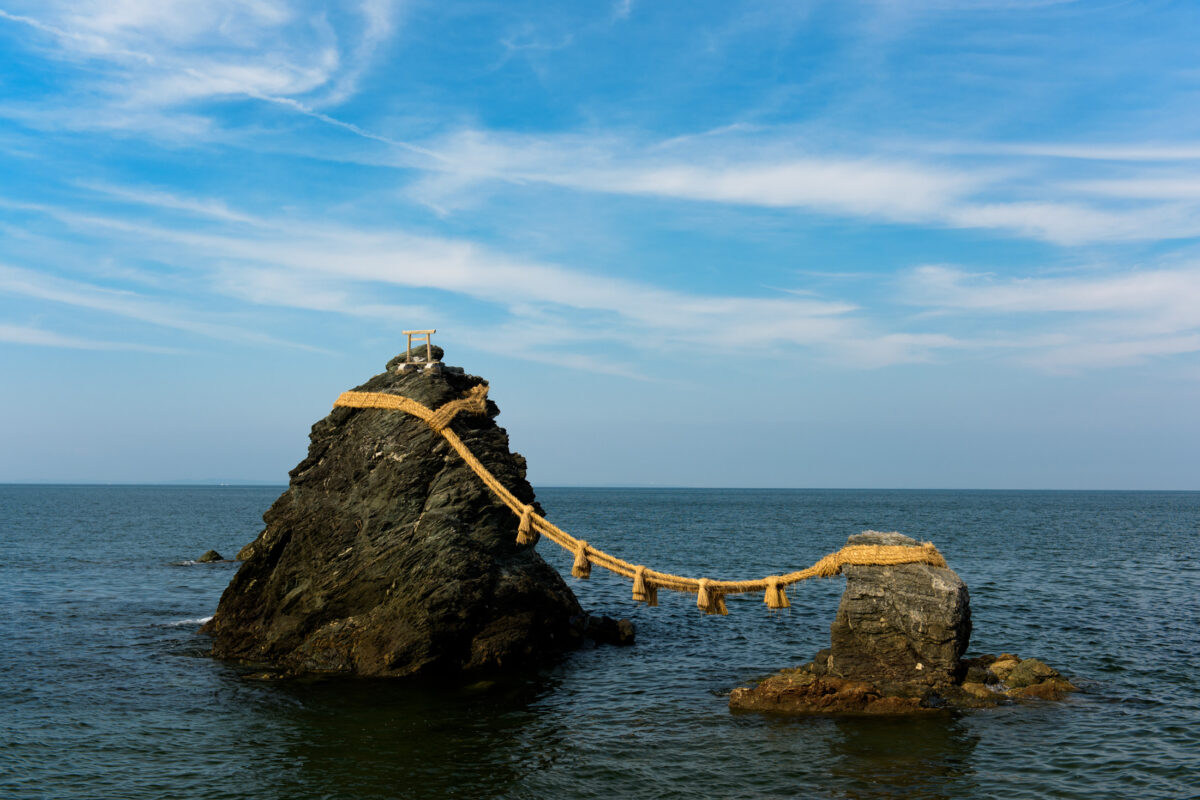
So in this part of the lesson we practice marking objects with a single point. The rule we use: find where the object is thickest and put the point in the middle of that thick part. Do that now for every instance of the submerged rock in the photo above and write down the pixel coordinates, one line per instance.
(210, 557)
(896, 647)
(606, 630)
(800, 691)
(387, 556)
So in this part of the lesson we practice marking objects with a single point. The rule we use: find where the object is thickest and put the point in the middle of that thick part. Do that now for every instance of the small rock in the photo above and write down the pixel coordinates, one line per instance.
(416, 356)
(210, 557)
(1004, 665)
(977, 689)
(1029, 672)
(1052, 689)
(978, 670)
(606, 630)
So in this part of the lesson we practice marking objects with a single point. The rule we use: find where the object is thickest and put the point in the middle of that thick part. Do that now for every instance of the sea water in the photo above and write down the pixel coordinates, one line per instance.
(106, 690)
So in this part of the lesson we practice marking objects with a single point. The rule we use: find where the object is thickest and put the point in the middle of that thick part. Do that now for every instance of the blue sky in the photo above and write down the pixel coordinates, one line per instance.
(812, 244)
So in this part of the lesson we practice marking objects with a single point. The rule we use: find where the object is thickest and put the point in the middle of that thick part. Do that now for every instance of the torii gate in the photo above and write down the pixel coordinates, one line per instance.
(429, 363)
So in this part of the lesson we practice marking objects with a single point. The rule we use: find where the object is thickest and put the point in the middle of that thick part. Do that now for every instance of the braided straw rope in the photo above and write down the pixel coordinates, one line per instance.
(710, 594)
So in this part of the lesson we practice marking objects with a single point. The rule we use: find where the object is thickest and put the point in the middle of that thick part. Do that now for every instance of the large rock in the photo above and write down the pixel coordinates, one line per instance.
(387, 556)
(908, 623)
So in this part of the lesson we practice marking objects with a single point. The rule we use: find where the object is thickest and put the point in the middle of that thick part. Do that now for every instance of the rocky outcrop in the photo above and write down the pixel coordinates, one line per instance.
(386, 556)
(211, 557)
(908, 623)
(896, 647)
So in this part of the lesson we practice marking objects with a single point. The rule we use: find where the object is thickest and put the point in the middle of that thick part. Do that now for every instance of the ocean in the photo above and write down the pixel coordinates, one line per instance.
(107, 691)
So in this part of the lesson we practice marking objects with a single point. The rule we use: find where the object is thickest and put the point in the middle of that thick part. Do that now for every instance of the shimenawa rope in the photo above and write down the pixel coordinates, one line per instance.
(710, 594)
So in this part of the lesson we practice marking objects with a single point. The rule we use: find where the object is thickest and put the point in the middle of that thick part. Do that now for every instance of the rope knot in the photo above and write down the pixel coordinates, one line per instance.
(643, 590)
(473, 402)
(709, 600)
(582, 568)
(776, 597)
(525, 533)
(932, 556)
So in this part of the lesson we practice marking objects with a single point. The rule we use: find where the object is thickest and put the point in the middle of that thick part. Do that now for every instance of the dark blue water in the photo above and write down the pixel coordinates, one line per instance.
(105, 691)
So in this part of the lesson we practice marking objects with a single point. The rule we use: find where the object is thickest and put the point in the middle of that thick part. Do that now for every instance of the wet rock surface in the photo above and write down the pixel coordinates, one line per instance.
(897, 647)
(386, 555)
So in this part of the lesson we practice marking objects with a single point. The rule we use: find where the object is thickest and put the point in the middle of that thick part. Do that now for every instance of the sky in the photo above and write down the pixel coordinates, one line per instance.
(894, 244)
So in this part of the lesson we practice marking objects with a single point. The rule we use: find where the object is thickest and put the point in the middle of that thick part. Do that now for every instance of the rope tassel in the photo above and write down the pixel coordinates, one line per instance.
(525, 529)
(776, 597)
(710, 601)
(582, 568)
(643, 590)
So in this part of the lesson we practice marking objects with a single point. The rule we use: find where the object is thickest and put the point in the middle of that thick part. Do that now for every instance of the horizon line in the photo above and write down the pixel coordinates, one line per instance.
(247, 484)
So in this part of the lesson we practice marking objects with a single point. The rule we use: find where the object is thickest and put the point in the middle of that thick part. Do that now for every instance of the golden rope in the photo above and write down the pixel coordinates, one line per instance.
(710, 594)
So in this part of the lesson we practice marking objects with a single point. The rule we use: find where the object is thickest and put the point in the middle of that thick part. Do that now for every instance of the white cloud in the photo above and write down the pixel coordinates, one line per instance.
(38, 337)
(1149, 187)
(330, 268)
(761, 168)
(150, 66)
(1116, 151)
(151, 55)
(32, 284)
(1073, 322)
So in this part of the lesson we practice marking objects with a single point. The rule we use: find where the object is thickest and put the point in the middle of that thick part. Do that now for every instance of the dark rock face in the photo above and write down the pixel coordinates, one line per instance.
(908, 623)
(387, 556)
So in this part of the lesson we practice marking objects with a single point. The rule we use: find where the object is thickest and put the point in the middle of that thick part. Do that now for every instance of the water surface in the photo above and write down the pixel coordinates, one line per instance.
(107, 692)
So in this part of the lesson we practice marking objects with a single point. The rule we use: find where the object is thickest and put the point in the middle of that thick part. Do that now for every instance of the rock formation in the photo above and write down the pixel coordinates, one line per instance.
(908, 623)
(386, 556)
(897, 646)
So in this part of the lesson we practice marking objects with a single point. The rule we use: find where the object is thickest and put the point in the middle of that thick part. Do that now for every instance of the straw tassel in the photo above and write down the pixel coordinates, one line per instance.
(582, 568)
(776, 597)
(643, 590)
(710, 601)
(525, 529)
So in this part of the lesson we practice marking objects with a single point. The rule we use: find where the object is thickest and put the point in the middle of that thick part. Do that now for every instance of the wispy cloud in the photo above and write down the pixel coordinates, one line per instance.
(157, 68)
(547, 306)
(150, 60)
(39, 337)
(27, 283)
(1113, 151)
(763, 168)
(1079, 321)
(555, 312)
